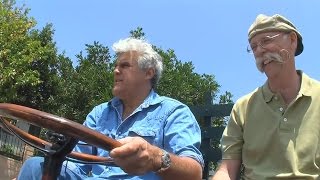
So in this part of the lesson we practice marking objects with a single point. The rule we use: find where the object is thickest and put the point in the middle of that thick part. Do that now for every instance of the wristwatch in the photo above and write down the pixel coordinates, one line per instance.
(165, 161)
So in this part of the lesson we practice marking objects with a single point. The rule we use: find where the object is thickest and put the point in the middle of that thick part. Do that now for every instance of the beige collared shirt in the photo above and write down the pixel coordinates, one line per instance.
(275, 141)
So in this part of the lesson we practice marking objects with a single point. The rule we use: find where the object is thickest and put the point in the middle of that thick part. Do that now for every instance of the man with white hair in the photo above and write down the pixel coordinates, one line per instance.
(160, 135)
(274, 131)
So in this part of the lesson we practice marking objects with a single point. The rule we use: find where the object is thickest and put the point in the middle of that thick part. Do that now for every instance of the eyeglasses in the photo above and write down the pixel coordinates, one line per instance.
(252, 48)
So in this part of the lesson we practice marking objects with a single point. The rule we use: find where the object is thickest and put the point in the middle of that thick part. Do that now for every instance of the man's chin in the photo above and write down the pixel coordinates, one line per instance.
(260, 69)
(117, 92)
(114, 92)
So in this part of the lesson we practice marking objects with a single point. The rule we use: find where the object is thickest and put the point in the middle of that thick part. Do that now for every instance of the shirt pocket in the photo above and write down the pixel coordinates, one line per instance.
(148, 134)
(149, 129)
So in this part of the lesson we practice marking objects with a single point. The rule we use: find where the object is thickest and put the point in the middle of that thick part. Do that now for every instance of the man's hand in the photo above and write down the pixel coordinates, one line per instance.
(136, 156)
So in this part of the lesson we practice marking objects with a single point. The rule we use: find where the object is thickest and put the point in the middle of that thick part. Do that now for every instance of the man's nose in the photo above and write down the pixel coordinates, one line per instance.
(116, 70)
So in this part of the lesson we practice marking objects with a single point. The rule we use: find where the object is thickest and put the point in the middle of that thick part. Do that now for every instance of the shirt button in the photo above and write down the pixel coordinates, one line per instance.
(276, 98)
(285, 119)
(281, 109)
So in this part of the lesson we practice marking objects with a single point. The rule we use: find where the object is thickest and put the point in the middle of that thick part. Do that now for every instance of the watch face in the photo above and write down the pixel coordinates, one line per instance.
(166, 161)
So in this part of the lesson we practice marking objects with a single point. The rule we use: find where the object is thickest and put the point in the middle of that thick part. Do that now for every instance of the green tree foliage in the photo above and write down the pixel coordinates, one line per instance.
(226, 98)
(137, 33)
(62, 101)
(45, 64)
(181, 82)
(93, 79)
(27, 59)
(17, 51)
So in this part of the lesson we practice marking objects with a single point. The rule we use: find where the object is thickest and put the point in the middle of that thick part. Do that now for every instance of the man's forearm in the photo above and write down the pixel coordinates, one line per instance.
(228, 170)
(221, 175)
(182, 168)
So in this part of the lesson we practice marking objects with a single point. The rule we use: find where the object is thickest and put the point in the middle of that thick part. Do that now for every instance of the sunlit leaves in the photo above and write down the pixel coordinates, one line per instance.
(180, 81)
(17, 50)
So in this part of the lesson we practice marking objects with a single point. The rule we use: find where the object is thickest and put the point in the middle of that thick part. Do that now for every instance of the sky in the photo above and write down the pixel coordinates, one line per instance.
(210, 33)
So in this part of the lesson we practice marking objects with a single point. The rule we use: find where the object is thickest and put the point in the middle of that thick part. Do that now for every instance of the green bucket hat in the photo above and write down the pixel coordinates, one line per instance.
(264, 23)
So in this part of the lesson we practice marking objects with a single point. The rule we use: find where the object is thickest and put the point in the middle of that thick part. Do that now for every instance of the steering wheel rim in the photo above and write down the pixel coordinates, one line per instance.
(59, 125)
(41, 144)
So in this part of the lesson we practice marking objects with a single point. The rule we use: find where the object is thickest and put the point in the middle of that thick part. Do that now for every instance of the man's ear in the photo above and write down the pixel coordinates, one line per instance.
(150, 72)
(294, 40)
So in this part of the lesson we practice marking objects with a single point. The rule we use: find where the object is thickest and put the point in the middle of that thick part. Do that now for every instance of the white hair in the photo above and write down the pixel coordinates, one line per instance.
(147, 56)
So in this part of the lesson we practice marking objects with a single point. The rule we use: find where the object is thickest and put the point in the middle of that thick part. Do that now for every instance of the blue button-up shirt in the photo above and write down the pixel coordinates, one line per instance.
(162, 121)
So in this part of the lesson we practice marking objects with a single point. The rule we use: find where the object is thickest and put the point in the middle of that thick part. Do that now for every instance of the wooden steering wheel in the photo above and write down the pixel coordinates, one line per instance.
(55, 153)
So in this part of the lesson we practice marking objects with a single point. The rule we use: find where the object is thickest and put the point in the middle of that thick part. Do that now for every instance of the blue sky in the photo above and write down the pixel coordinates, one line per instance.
(210, 33)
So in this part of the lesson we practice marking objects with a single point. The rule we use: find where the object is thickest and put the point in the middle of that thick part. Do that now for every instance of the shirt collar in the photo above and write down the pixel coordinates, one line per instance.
(306, 84)
(151, 99)
(305, 87)
(266, 92)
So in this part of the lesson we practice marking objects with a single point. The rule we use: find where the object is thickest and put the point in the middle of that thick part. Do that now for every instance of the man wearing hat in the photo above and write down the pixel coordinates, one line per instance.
(274, 131)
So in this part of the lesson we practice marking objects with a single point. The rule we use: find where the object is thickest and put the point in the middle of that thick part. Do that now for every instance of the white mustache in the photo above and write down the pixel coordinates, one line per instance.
(267, 58)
